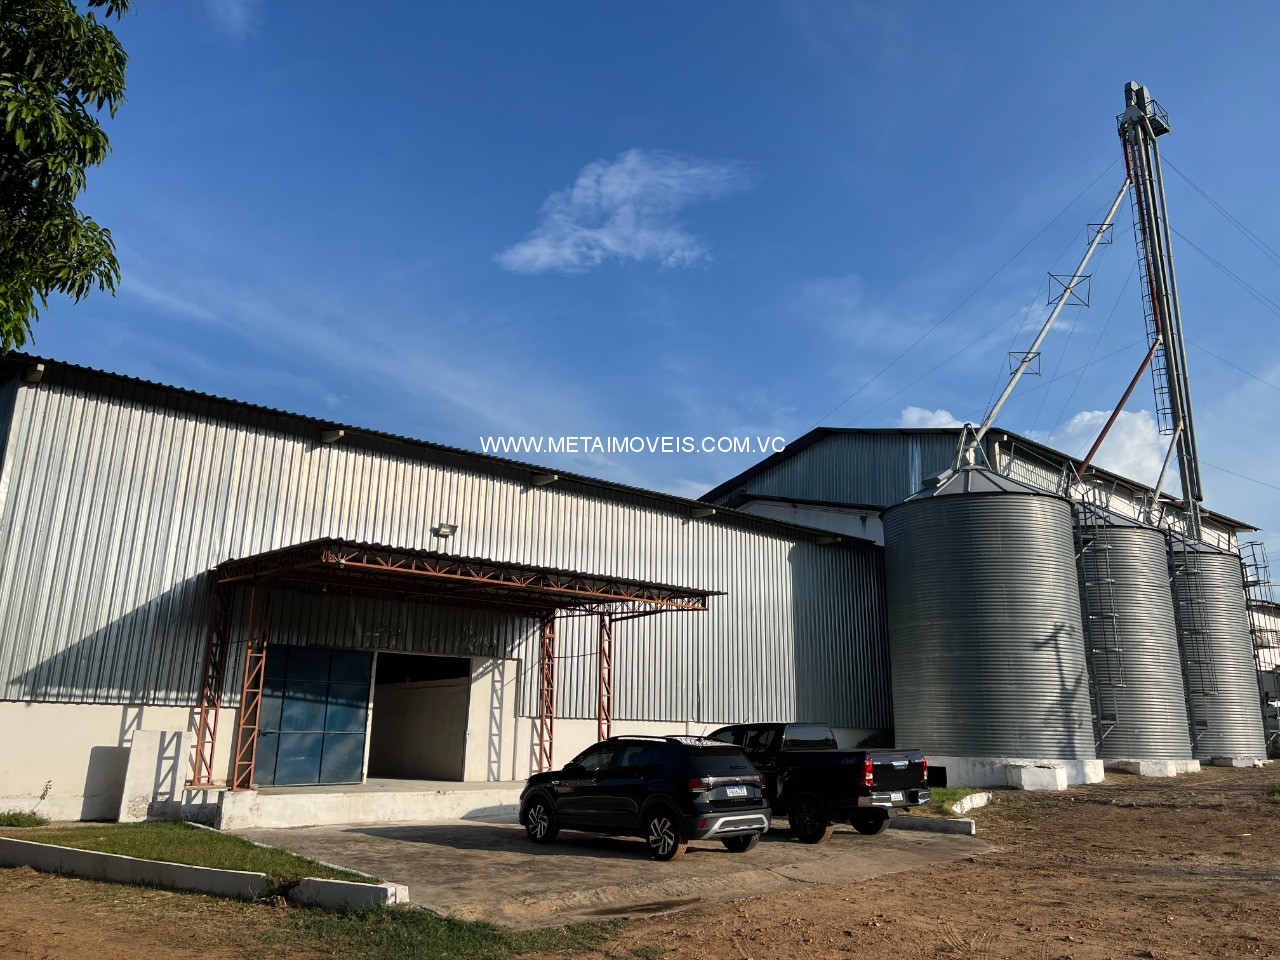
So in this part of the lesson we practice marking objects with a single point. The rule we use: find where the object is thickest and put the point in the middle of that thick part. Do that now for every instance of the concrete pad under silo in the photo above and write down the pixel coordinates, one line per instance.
(1237, 762)
(1020, 773)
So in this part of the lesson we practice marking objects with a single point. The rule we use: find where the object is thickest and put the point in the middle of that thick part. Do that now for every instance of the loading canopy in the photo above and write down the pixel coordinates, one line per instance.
(372, 571)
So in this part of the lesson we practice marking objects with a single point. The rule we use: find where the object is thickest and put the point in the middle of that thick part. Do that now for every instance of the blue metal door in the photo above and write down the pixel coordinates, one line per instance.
(315, 707)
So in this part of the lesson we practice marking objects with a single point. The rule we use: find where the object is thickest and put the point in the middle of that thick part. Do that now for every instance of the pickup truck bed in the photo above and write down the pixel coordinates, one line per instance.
(814, 783)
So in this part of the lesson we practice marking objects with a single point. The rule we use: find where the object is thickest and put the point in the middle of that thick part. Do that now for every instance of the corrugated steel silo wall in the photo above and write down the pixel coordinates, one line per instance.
(985, 636)
(873, 469)
(118, 506)
(1209, 602)
(1124, 572)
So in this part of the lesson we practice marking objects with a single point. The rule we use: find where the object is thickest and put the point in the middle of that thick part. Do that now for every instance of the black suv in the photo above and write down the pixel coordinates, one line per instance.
(668, 790)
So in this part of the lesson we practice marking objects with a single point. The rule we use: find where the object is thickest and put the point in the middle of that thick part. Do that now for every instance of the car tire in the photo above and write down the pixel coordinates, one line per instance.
(870, 823)
(810, 822)
(742, 843)
(663, 834)
(539, 819)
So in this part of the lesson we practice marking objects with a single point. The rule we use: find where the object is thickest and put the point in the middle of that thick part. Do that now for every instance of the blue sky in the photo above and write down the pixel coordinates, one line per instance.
(455, 221)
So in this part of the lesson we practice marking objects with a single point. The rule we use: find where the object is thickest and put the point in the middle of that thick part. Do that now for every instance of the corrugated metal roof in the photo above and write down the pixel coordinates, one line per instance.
(726, 490)
(15, 363)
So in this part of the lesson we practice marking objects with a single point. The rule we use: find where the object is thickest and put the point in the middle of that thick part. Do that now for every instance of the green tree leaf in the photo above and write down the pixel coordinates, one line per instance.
(60, 68)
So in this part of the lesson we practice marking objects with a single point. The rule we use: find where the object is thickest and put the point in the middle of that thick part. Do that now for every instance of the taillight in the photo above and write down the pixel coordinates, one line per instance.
(699, 784)
(924, 770)
(868, 772)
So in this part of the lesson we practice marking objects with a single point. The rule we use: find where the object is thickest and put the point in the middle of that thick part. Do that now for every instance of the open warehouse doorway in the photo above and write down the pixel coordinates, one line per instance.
(419, 724)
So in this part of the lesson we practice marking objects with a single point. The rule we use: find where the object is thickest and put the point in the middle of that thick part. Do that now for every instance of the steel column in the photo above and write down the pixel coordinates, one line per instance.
(255, 662)
(604, 694)
(210, 704)
(547, 693)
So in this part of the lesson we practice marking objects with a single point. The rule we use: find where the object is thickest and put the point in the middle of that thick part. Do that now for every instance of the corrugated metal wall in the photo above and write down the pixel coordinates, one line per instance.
(117, 508)
(878, 469)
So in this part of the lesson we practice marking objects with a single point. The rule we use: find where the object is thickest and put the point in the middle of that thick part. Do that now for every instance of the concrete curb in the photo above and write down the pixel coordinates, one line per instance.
(237, 884)
(346, 895)
(116, 868)
(963, 825)
(972, 802)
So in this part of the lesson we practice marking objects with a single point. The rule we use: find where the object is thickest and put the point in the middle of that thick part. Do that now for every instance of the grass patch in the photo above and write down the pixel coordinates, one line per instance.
(1273, 792)
(180, 843)
(408, 934)
(21, 818)
(940, 798)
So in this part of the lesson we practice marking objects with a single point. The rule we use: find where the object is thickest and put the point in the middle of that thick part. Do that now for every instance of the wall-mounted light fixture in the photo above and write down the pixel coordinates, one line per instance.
(445, 530)
(699, 512)
(824, 541)
(33, 373)
(331, 436)
(542, 479)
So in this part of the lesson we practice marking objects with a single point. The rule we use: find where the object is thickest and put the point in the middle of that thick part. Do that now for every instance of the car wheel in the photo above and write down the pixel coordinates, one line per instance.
(663, 836)
(540, 821)
(809, 820)
(870, 823)
(741, 844)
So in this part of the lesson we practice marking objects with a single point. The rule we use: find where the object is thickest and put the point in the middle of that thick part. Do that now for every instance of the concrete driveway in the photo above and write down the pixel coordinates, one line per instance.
(491, 871)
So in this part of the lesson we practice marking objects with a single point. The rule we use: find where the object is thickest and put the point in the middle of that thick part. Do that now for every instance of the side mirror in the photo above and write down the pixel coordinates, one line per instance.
(573, 767)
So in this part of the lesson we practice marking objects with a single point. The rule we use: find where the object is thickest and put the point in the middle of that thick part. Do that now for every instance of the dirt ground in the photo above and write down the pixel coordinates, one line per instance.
(1157, 869)
(1164, 870)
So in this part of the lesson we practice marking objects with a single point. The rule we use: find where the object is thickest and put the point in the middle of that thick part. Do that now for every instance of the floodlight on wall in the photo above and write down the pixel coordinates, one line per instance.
(824, 541)
(699, 512)
(542, 479)
(445, 530)
(331, 436)
(33, 373)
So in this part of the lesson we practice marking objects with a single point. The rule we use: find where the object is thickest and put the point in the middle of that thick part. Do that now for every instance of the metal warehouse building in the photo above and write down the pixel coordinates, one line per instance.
(297, 603)
(219, 610)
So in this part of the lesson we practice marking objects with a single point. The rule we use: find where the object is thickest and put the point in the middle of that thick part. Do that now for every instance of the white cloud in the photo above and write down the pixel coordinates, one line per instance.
(235, 17)
(1133, 448)
(920, 417)
(624, 209)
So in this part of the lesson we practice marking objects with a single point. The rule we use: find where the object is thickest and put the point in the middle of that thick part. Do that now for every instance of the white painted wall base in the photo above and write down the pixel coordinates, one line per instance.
(83, 751)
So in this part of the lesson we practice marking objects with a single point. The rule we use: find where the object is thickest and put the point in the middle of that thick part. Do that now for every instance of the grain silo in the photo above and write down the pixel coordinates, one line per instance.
(1217, 652)
(1131, 639)
(985, 635)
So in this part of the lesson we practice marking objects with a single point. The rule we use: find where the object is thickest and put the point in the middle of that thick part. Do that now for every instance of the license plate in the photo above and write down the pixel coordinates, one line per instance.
(895, 795)
(735, 791)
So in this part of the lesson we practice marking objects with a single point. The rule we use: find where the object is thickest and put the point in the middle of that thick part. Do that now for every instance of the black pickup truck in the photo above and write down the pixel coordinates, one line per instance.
(814, 783)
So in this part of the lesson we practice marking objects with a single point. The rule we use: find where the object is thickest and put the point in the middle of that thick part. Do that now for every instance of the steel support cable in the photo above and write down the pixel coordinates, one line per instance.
(956, 309)
(1062, 354)
(1263, 247)
(1258, 295)
(1013, 341)
(969, 346)
(1254, 376)
(1097, 343)
(1242, 476)
(1000, 371)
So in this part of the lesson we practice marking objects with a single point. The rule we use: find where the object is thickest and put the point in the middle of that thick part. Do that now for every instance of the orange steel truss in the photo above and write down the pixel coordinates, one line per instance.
(546, 693)
(412, 576)
(604, 685)
(214, 673)
(255, 663)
